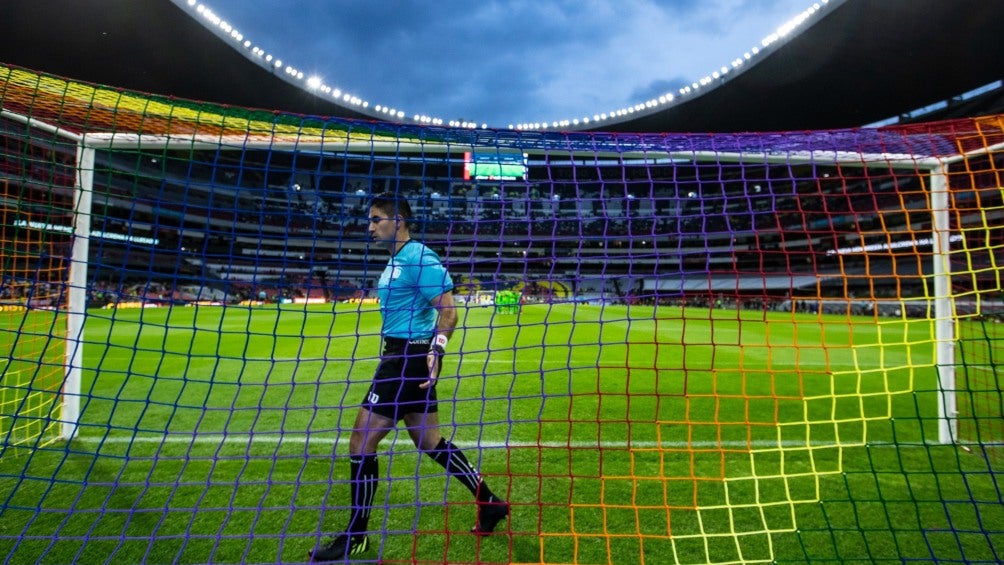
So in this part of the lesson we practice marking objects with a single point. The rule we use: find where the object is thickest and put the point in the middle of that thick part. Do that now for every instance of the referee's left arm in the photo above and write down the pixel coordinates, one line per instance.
(445, 323)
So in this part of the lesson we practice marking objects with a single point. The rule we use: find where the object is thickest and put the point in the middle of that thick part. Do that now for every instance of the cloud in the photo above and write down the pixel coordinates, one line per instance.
(505, 61)
(659, 87)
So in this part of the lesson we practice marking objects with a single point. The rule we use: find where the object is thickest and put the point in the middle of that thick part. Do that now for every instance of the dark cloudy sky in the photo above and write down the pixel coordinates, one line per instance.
(507, 61)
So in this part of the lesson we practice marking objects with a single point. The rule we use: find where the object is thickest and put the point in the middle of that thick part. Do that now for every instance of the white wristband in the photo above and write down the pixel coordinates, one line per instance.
(440, 341)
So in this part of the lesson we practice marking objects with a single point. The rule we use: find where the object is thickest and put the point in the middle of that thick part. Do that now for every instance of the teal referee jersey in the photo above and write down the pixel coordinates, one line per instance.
(413, 277)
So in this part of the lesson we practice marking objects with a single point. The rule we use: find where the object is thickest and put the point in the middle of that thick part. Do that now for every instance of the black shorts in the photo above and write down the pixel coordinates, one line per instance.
(394, 391)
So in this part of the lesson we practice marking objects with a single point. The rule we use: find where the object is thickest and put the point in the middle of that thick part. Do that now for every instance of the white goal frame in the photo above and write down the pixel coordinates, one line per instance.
(88, 143)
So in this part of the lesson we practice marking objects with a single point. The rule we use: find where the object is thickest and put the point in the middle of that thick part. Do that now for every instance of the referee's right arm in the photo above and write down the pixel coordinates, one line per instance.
(445, 322)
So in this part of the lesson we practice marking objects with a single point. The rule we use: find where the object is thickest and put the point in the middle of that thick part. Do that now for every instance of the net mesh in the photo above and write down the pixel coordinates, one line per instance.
(35, 191)
(977, 264)
(722, 348)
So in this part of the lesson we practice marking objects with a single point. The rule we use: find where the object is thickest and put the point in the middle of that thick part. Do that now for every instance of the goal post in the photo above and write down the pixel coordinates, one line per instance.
(38, 221)
(76, 304)
(944, 312)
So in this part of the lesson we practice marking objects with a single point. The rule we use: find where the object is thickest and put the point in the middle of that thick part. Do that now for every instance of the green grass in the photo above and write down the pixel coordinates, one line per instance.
(621, 435)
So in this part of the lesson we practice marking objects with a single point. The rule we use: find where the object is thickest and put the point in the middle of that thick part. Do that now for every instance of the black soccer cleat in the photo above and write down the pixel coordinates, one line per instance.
(490, 513)
(344, 545)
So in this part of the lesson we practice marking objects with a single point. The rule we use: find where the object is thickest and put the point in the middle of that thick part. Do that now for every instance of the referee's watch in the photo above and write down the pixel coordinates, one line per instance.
(439, 344)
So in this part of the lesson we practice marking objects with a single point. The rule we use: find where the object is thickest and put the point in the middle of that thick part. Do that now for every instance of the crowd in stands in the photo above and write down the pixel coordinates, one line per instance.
(163, 292)
(40, 294)
(229, 218)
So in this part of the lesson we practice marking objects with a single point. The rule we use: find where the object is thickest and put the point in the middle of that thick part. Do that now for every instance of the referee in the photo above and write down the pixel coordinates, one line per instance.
(419, 315)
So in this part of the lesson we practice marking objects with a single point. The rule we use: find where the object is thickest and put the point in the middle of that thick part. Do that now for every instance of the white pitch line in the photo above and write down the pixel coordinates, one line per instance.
(273, 439)
(981, 369)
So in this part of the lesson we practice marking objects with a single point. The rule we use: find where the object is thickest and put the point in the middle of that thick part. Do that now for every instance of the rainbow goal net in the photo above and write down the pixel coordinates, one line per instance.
(728, 348)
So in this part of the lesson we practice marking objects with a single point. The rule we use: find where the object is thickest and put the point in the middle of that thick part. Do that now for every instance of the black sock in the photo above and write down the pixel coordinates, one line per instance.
(457, 465)
(363, 471)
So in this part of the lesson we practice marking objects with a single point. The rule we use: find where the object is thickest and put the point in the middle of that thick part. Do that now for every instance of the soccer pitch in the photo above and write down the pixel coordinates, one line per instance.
(620, 434)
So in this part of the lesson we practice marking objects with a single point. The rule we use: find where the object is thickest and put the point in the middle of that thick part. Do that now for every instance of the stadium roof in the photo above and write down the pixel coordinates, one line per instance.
(862, 62)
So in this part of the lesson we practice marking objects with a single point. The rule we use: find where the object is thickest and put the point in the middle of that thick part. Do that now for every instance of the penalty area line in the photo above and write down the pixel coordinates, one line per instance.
(291, 439)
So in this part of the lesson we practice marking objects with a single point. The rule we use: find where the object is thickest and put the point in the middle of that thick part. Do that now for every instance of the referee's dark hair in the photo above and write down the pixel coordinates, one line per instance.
(392, 204)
